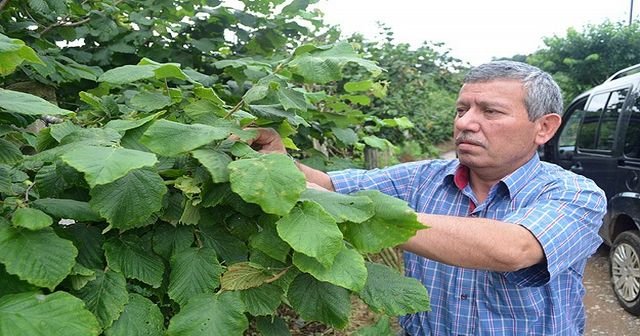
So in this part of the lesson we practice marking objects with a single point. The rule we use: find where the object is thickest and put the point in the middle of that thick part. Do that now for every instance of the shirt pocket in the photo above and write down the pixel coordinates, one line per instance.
(500, 300)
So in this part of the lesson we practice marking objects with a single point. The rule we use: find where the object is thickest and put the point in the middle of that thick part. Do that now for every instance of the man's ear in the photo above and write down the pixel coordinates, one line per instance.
(546, 127)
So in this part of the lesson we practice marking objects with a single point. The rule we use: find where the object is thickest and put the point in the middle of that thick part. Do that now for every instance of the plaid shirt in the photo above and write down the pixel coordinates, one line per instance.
(563, 210)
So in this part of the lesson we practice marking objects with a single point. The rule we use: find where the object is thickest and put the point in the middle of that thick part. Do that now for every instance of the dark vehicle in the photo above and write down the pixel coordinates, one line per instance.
(600, 138)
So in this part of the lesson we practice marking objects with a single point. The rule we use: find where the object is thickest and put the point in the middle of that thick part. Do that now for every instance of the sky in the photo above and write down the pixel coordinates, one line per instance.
(475, 31)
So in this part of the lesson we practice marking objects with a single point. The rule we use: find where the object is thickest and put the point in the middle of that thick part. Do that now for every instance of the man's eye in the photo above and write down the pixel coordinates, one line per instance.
(460, 111)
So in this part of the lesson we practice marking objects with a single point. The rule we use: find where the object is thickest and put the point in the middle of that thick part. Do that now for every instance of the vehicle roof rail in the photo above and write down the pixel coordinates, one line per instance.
(625, 72)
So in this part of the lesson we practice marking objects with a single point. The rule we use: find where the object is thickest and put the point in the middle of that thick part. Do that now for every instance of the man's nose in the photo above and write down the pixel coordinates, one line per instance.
(468, 121)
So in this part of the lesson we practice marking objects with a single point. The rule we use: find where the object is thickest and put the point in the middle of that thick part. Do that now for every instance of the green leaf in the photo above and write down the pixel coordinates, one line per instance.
(343, 208)
(88, 239)
(204, 112)
(37, 314)
(228, 247)
(61, 130)
(391, 293)
(32, 219)
(375, 142)
(128, 256)
(361, 100)
(128, 74)
(164, 70)
(208, 94)
(193, 271)
(39, 6)
(131, 200)
(5, 181)
(402, 123)
(52, 180)
(312, 231)
(272, 326)
(257, 92)
(140, 317)
(11, 284)
(320, 301)
(381, 328)
(67, 208)
(347, 270)
(147, 101)
(92, 137)
(263, 300)
(268, 241)
(102, 165)
(169, 239)
(393, 223)
(122, 125)
(325, 65)
(12, 53)
(244, 275)
(215, 162)
(80, 276)
(24, 103)
(361, 86)
(272, 181)
(168, 138)
(209, 315)
(10, 154)
(105, 296)
(170, 71)
(291, 99)
(346, 135)
(276, 112)
(39, 257)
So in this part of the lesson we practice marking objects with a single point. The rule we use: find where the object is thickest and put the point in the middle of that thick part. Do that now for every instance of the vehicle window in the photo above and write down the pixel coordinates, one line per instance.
(569, 133)
(600, 120)
(632, 138)
(609, 119)
(587, 134)
(597, 102)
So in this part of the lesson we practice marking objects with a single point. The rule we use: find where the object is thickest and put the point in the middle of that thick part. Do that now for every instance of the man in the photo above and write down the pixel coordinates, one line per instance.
(509, 235)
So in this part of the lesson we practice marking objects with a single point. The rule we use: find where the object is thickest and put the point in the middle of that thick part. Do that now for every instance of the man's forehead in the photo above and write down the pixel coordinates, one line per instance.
(495, 90)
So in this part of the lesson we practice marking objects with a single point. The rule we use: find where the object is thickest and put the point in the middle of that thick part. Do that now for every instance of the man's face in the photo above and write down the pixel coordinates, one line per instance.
(492, 130)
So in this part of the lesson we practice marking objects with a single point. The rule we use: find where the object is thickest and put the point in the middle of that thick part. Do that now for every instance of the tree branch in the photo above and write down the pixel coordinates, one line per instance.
(61, 24)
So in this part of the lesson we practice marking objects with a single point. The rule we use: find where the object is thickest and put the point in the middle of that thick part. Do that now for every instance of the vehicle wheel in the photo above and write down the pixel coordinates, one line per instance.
(624, 268)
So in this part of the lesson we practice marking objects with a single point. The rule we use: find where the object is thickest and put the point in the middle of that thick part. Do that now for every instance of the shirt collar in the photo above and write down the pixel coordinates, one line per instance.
(513, 182)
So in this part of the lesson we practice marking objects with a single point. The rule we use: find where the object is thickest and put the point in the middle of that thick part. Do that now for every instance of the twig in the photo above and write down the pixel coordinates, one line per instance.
(26, 193)
(62, 24)
(234, 109)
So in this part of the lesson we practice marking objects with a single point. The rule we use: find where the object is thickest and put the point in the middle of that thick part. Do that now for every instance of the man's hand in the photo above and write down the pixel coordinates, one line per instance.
(268, 141)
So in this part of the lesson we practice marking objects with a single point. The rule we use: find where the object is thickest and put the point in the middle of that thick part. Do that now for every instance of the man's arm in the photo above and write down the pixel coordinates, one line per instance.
(479, 243)
(461, 241)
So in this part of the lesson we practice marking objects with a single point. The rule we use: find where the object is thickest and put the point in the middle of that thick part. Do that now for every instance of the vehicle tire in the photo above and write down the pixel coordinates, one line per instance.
(624, 269)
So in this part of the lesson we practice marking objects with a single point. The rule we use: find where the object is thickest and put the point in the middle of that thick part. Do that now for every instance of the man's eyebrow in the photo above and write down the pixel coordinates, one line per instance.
(484, 103)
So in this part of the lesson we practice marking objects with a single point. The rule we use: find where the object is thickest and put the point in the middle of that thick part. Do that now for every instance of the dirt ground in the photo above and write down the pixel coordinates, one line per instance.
(604, 314)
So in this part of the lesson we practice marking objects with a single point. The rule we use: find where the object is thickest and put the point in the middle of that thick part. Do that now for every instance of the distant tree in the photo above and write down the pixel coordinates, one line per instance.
(421, 85)
(582, 59)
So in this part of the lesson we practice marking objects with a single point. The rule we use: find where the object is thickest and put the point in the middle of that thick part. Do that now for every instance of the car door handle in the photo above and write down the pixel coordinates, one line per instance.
(577, 168)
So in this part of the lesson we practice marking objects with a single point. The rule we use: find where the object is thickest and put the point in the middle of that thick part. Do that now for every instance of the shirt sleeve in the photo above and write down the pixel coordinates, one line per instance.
(394, 181)
(565, 219)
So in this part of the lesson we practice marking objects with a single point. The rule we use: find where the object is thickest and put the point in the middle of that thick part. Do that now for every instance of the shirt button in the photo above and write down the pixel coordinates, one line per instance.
(464, 297)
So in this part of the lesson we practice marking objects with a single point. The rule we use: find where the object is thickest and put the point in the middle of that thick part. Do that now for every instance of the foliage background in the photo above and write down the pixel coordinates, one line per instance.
(123, 81)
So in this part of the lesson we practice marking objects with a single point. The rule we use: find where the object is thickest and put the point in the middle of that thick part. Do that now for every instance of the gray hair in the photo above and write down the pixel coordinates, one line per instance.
(542, 94)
